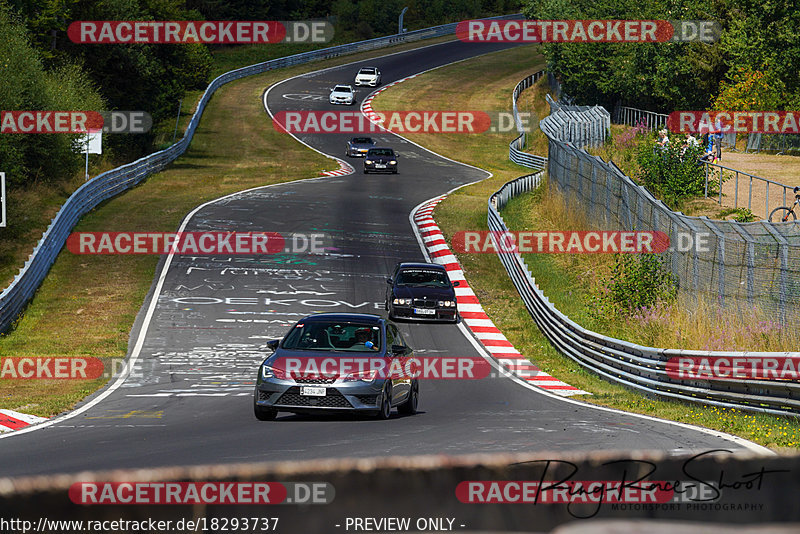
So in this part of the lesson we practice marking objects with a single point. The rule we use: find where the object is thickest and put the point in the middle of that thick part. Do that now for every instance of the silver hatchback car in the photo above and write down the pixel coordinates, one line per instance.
(331, 362)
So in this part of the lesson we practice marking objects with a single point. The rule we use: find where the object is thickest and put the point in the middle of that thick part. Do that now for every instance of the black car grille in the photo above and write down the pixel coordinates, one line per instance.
(264, 395)
(369, 400)
(424, 303)
(333, 399)
(314, 380)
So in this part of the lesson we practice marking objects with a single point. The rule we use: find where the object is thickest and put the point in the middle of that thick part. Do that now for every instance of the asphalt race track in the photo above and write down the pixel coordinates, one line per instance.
(189, 398)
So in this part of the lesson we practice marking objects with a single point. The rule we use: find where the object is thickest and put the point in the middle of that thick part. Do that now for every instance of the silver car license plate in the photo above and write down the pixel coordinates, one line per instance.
(311, 391)
(423, 311)
(379, 166)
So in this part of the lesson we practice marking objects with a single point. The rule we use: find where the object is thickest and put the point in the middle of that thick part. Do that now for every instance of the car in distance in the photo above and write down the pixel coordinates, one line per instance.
(380, 160)
(370, 76)
(421, 291)
(335, 337)
(342, 94)
(359, 146)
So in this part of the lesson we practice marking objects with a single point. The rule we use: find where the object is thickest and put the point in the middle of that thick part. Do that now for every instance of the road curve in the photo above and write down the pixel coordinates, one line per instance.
(199, 337)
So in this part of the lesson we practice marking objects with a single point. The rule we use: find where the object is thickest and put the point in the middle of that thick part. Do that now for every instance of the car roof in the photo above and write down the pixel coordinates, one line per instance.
(420, 265)
(342, 85)
(381, 148)
(374, 68)
(368, 318)
(362, 137)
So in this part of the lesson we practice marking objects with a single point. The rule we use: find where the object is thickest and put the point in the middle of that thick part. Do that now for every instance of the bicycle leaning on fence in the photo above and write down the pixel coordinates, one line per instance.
(783, 213)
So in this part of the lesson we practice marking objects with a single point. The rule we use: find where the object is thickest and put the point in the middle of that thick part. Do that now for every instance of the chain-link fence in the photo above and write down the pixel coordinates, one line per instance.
(738, 264)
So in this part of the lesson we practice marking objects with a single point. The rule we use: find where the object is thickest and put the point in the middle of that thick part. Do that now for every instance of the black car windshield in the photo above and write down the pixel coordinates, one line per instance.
(334, 337)
(422, 277)
(362, 140)
(381, 152)
(341, 89)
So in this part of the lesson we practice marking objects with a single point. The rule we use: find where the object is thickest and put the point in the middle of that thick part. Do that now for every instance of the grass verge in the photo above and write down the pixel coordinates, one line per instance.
(87, 304)
(466, 208)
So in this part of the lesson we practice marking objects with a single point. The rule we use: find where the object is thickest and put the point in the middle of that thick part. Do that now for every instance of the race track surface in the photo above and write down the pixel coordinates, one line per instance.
(189, 398)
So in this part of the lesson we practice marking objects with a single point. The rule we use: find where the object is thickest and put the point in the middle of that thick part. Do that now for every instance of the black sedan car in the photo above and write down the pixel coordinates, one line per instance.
(421, 291)
(358, 146)
(380, 160)
(336, 362)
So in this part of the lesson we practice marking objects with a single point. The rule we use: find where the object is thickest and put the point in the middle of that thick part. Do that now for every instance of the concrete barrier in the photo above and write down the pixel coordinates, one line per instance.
(755, 490)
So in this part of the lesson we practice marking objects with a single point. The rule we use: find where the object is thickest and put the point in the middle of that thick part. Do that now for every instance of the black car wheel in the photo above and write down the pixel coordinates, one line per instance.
(386, 402)
(264, 414)
(394, 171)
(409, 407)
(366, 171)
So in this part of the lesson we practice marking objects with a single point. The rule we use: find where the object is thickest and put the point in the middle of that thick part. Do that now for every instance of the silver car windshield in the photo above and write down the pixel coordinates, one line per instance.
(334, 337)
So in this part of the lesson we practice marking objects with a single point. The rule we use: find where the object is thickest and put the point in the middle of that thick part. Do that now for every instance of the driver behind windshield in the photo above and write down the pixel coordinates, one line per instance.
(422, 278)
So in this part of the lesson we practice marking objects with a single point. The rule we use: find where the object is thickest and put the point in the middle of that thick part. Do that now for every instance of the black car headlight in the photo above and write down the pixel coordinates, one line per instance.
(401, 302)
(447, 303)
(368, 161)
(393, 162)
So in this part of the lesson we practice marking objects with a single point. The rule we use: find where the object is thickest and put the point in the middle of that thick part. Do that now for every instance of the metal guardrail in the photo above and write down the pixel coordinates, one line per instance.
(516, 148)
(108, 184)
(636, 366)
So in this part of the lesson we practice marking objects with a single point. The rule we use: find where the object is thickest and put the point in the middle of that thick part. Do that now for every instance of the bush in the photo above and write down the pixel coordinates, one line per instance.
(637, 282)
(671, 176)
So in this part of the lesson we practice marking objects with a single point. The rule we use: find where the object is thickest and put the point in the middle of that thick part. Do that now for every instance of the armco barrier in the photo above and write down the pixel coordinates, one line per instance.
(108, 184)
(517, 146)
(637, 366)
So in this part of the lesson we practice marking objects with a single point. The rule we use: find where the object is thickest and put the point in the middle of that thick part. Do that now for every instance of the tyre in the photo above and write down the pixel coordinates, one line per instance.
(264, 414)
(386, 402)
(409, 407)
(366, 171)
(394, 171)
(782, 214)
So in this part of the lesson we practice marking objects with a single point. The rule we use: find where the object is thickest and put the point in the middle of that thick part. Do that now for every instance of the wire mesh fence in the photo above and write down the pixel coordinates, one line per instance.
(740, 265)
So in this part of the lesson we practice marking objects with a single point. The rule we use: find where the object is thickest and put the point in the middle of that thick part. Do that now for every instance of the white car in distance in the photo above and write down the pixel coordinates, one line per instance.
(370, 76)
(343, 94)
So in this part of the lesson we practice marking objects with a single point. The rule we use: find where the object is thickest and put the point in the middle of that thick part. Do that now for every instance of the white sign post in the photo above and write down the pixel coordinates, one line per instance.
(90, 143)
(3, 193)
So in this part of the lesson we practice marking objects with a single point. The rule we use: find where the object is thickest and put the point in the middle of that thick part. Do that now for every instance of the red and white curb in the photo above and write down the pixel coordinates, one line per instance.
(343, 170)
(471, 311)
(366, 105)
(11, 420)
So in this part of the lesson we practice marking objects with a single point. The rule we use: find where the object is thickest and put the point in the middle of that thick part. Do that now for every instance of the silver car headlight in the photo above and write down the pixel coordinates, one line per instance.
(267, 372)
(363, 376)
